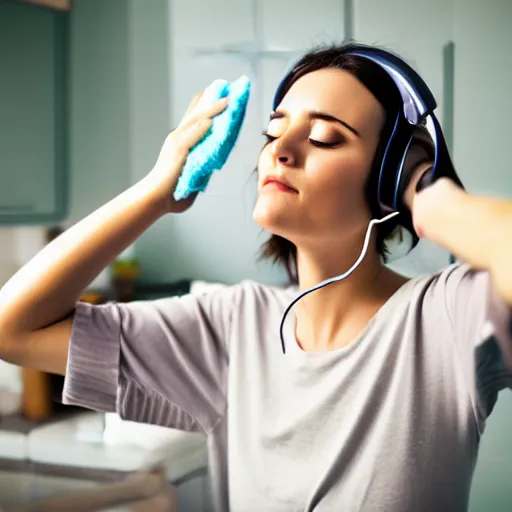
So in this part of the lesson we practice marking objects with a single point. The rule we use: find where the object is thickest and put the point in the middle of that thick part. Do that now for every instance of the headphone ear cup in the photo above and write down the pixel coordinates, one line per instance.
(418, 152)
(392, 176)
(392, 164)
(443, 166)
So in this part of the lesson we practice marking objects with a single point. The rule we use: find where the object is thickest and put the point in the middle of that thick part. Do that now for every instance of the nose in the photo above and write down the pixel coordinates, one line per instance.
(283, 151)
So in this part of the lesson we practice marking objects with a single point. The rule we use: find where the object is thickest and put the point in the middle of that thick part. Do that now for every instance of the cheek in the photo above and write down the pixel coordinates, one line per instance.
(264, 164)
(340, 176)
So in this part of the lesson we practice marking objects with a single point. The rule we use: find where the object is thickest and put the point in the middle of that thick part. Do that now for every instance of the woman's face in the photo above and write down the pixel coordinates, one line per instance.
(312, 173)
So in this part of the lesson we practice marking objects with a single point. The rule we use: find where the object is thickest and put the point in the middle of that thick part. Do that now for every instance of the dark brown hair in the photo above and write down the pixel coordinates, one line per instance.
(378, 82)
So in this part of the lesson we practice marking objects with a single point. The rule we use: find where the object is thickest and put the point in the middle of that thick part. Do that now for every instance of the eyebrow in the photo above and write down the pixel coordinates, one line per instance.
(318, 115)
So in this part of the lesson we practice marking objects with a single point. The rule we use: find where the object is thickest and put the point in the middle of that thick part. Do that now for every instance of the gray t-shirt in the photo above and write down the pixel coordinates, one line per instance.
(391, 422)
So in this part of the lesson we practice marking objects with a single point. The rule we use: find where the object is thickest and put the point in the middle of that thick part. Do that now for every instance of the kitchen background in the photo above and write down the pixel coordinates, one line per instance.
(87, 96)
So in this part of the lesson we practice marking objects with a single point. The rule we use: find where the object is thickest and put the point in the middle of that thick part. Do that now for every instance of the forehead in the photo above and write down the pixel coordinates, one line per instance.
(338, 93)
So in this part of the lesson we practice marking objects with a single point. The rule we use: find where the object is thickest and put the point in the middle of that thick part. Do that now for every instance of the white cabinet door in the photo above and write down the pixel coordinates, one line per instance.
(217, 239)
(421, 32)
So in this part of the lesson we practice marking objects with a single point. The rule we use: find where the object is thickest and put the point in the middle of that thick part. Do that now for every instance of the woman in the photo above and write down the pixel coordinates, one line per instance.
(382, 396)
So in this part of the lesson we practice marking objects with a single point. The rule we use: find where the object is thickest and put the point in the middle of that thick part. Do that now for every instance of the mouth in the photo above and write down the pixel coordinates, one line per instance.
(278, 184)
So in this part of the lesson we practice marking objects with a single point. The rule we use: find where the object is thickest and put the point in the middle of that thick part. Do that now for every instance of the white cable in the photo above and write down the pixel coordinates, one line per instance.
(336, 278)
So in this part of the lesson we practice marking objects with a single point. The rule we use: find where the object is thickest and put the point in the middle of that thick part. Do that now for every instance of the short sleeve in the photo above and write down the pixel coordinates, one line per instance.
(163, 362)
(482, 330)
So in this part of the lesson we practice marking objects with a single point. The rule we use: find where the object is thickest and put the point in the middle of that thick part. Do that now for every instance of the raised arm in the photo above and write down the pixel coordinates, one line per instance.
(37, 304)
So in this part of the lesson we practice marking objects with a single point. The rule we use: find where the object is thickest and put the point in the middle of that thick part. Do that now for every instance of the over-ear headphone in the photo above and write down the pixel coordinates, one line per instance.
(418, 111)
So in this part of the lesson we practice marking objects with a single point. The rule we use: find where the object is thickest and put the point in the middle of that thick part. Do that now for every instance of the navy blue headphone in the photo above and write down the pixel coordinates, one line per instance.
(418, 110)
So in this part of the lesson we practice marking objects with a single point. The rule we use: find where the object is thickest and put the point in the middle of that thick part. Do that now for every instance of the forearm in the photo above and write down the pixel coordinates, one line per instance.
(47, 287)
(478, 230)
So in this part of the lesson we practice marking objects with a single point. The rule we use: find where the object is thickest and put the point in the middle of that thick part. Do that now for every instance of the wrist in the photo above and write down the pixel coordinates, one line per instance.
(472, 228)
(156, 198)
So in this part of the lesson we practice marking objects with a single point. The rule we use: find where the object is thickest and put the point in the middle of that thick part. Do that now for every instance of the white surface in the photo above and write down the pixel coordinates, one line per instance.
(90, 428)
(180, 452)
(10, 380)
(10, 401)
(149, 437)
(13, 445)
(200, 287)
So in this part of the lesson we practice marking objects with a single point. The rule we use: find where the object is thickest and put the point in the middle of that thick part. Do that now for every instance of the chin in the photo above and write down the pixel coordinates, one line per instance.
(274, 218)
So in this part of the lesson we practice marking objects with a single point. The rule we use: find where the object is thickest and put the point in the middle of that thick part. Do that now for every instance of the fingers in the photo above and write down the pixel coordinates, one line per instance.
(196, 122)
(192, 134)
(199, 112)
(425, 180)
(195, 100)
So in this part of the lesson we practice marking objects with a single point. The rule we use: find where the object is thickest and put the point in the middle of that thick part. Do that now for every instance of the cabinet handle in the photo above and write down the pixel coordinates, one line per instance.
(448, 93)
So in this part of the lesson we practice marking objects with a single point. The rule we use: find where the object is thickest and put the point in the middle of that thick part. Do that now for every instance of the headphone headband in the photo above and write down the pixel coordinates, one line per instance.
(417, 98)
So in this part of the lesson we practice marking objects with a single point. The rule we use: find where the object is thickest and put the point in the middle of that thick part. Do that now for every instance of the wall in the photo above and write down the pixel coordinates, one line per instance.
(483, 107)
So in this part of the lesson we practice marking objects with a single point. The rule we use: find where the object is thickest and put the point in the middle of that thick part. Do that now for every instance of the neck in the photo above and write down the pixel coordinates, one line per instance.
(328, 317)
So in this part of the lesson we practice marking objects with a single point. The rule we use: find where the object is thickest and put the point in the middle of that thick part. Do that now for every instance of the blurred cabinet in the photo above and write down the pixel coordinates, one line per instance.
(33, 114)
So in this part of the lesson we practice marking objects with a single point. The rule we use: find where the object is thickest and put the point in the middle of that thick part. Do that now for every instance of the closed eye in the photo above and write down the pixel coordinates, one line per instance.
(270, 138)
(314, 142)
(320, 144)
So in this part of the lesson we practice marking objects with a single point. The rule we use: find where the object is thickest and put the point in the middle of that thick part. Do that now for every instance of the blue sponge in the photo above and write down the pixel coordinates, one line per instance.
(210, 153)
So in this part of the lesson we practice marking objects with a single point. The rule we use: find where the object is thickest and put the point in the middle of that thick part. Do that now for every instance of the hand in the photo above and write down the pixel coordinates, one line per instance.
(432, 203)
(165, 174)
